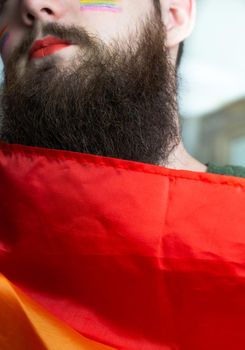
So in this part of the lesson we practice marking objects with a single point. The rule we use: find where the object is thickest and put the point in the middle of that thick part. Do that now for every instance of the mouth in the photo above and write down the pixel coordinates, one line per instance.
(47, 46)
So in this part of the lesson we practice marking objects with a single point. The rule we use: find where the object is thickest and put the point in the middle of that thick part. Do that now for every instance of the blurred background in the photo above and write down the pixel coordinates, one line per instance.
(212, 83)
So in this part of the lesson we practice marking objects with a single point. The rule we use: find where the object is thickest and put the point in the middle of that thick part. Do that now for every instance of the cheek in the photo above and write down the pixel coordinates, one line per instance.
(100, 5)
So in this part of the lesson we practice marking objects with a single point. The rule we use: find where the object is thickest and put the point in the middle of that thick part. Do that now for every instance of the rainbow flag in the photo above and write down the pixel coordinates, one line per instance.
(130, 255)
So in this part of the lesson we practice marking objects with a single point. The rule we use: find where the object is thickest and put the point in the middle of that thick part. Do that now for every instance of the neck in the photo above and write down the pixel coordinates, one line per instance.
(180, 159)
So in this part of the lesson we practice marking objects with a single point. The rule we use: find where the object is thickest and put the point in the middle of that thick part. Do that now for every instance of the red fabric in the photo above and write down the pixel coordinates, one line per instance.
(135, 256)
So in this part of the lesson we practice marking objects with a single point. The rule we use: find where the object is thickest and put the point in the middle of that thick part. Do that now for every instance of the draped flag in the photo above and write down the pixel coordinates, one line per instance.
(119, 254)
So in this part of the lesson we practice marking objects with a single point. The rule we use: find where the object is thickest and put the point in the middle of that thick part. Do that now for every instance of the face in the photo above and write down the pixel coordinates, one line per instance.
(108, 20)
(104, 86)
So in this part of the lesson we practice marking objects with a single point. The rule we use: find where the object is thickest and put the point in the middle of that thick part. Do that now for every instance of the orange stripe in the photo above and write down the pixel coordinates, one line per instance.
(25, 325)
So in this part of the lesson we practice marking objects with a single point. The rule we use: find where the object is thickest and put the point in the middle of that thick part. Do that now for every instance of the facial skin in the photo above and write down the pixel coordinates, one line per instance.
(23, 16)
(111, 92)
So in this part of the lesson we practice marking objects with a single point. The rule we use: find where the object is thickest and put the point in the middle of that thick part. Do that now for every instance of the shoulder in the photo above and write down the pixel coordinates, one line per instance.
(231, 170)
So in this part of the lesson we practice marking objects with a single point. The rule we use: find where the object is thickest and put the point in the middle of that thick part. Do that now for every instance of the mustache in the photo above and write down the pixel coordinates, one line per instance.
(76, 35)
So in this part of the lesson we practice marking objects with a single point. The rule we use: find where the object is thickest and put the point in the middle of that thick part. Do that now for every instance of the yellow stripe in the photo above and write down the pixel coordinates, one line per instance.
(25, 325)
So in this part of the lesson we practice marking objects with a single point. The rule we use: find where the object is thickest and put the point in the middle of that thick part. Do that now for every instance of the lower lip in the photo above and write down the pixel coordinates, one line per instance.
(49, 50)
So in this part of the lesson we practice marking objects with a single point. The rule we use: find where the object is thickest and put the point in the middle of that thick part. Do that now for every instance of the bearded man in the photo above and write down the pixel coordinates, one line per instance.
(111, 234)
(111, 91)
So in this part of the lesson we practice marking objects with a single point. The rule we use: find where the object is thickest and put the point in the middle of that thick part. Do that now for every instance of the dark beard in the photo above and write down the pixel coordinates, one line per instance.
(117, 101)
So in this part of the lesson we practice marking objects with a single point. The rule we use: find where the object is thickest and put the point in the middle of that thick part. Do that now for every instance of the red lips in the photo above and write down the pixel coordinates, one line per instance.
(47, 46)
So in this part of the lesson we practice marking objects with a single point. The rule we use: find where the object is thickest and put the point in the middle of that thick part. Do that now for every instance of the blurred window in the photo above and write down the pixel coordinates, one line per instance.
(212, 83)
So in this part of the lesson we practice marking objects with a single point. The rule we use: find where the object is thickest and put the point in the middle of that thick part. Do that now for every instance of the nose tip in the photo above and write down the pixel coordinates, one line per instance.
(31, 13)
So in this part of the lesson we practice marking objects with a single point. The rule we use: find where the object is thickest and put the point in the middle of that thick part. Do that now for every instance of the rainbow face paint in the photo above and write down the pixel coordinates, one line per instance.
(4, 36)
(100, 5)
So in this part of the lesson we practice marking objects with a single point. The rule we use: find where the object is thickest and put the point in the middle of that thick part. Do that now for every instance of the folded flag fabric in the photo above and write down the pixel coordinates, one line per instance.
(133, 256)
(24, 325)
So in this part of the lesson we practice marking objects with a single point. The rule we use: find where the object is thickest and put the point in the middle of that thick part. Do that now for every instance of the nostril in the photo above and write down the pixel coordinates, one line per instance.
(47, 10)
(31, 17)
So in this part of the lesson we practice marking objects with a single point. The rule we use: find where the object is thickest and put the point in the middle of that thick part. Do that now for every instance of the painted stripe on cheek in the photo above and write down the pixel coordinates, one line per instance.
(3, 30)
(100, 5)
(4, 36)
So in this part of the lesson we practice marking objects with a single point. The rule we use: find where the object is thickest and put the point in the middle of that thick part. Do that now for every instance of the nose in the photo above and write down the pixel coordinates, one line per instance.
(40, 10)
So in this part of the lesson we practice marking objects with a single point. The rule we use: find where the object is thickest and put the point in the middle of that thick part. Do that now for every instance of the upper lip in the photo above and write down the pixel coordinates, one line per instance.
(48, 41)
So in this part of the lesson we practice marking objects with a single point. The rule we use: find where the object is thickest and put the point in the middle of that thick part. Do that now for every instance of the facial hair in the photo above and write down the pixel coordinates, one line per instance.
(116, 100)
